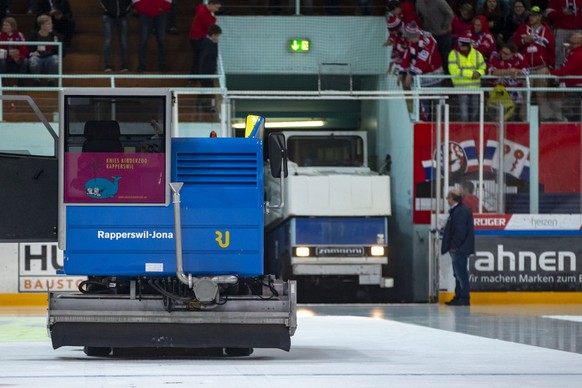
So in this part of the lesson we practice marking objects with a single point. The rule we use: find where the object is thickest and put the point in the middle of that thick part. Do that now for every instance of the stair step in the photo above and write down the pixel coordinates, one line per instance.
(93, 43)
(92, 61)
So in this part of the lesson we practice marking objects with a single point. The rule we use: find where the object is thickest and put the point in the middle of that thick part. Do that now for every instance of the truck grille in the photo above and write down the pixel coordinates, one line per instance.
(339, 251)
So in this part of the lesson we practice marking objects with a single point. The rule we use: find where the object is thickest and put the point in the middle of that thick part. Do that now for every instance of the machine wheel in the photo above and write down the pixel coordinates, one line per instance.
(93, 351)
(238, 352)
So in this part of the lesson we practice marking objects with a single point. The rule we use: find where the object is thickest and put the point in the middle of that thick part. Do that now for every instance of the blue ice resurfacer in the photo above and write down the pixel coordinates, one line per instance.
(168, 231)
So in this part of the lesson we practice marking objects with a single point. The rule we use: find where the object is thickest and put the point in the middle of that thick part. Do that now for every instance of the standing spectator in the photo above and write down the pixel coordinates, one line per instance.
(437, 17)
(503, 4)
(399, 45)
(467, 66)
(566, 18)
(171, 25)
(396, 40)
(203, 19)
(403, 10)
(208, 59)
(535, 41)
(573, 64)
(62, 14)
(495, 18)
(152, 15)
(483, 40)
(509, 66)
(573, 67)
(459, 243)
(42, 57)
(457, 4)
(463, 23)
(518, 16)
(115, 15)
(408, 14)
(421, 58)
(12, 57)
(393, 9)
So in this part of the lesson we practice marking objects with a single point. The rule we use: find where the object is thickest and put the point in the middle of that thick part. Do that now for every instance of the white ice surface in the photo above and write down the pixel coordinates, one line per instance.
(573, 318)
(326, 352)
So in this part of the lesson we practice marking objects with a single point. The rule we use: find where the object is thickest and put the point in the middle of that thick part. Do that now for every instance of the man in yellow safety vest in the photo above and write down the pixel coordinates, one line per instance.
(467, 66)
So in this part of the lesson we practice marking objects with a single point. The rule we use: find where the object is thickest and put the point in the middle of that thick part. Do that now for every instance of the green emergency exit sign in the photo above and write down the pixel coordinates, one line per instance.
(299, 45)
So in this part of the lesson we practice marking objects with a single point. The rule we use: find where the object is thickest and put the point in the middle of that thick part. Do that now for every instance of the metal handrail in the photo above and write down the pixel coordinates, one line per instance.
(528, 89)
(34, 43)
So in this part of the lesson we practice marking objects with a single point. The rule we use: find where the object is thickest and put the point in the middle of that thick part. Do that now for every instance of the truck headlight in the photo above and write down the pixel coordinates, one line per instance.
(377, 250)
(302, 251)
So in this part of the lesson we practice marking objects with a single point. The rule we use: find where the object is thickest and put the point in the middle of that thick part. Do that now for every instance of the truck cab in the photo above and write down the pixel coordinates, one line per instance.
(335, 220)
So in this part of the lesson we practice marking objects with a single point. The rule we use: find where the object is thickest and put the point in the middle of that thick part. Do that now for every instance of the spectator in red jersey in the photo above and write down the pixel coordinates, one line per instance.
(393, 8)
(510, 66)
(463, 23)
(573, 67)
(404, 10)
(12, 57)
(152, 16)
(573, 64)
(399, 45)
(518, 16)
(203, 19)
(421, 58)
(535, 41)
(566, 18)
(397, 41)
(483, 40)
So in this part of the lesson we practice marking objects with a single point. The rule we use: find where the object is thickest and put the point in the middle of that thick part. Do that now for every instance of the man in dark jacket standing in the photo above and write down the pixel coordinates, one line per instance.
(459, 242)
(115, 16)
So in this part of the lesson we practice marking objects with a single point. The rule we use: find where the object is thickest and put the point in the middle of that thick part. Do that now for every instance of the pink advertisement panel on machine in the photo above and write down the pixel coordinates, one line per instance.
(113, 177)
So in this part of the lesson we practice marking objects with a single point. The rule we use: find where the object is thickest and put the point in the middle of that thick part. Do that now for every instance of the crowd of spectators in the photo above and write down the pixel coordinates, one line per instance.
(55, 23)
(467, 39)
(37, 54)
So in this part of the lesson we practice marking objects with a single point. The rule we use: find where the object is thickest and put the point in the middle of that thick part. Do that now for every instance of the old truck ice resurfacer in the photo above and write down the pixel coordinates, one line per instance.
(168, 231)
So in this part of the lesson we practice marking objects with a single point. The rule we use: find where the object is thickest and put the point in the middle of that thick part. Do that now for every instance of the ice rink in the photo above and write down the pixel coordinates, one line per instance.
(334, 346)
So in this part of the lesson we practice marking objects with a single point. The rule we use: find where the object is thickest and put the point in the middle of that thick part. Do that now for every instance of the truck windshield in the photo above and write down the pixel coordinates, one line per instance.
(322, 151)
